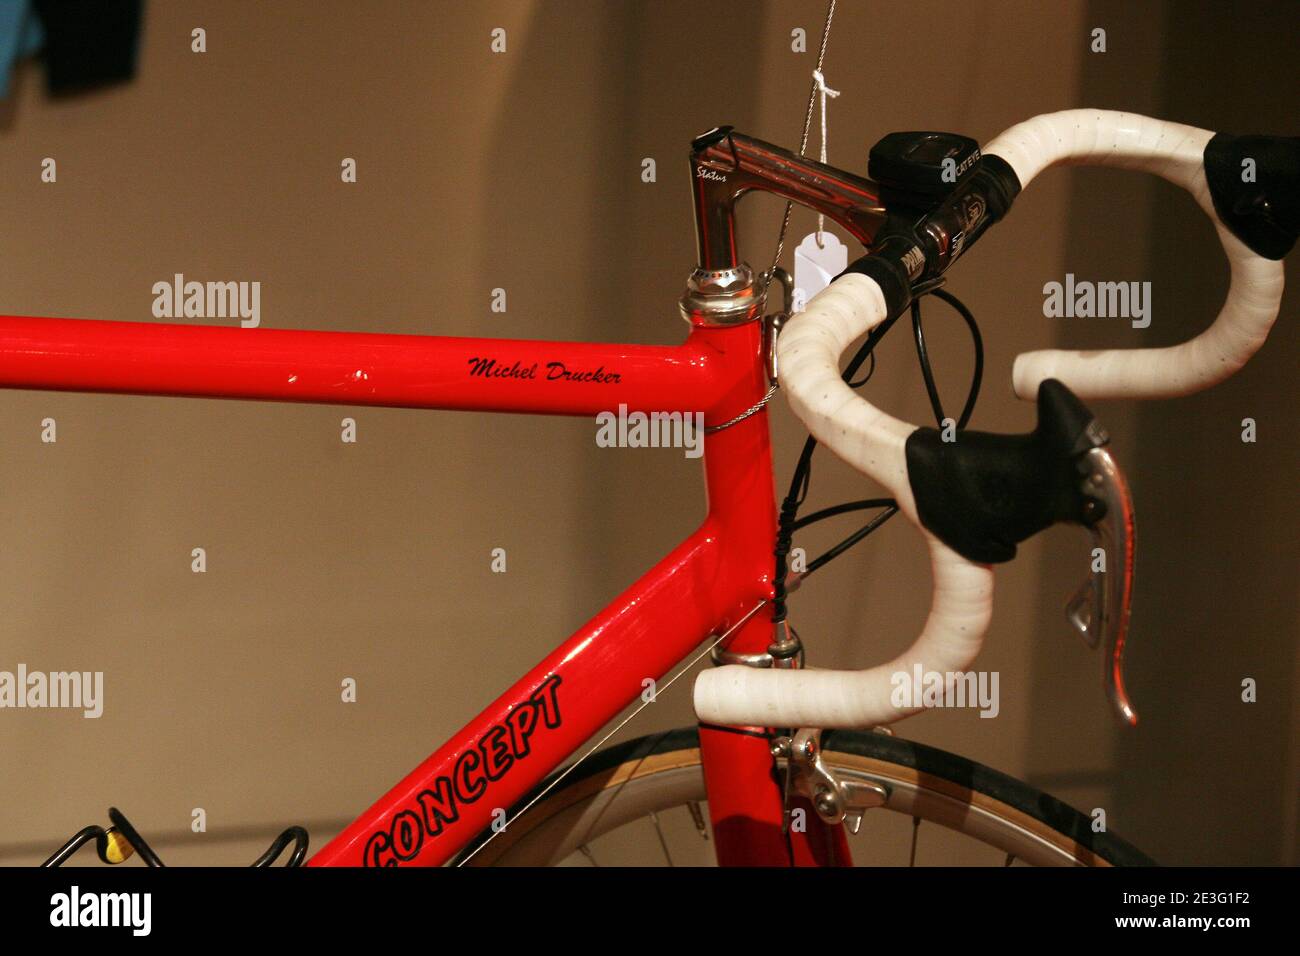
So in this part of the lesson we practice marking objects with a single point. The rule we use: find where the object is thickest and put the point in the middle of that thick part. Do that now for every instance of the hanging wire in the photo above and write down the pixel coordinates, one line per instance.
(803, 141)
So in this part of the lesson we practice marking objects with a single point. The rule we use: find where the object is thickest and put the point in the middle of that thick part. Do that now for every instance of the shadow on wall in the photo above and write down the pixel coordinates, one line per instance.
(1205, 778)
(1208, 778)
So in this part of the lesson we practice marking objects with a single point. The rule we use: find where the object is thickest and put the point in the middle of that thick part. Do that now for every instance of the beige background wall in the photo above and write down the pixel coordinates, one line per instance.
(522, 171)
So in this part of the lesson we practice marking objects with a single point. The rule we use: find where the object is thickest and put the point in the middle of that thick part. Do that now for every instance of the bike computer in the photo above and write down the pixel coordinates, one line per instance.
(920, 168)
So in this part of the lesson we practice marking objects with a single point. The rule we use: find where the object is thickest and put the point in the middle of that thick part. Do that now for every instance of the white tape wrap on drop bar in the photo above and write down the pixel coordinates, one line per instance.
(1176, 153)
(809, 351)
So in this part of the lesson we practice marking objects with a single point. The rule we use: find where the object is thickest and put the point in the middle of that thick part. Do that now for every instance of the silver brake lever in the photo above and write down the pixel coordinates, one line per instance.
(1099, 610)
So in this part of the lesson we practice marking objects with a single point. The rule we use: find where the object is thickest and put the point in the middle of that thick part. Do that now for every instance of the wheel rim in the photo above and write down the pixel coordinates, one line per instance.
(571, 820)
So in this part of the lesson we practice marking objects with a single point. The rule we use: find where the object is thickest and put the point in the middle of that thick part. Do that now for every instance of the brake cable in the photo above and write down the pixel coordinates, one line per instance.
(789, 522)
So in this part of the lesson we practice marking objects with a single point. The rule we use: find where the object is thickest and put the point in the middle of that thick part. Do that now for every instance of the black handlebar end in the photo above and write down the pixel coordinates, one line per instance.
(1255, 186)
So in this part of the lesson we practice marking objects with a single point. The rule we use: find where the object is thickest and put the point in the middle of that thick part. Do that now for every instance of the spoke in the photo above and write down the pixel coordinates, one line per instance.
(698, 816)
(586, 851)
(662, 842)
(916, 829)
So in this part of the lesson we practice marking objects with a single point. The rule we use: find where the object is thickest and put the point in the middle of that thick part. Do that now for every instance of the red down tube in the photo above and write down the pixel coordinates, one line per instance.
(534, 726)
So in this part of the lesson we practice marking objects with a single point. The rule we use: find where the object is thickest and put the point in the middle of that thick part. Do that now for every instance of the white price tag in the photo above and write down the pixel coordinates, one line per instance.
(814, 268)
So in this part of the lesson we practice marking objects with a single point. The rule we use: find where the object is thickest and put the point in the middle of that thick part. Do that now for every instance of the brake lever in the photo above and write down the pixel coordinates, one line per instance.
(1099, 610)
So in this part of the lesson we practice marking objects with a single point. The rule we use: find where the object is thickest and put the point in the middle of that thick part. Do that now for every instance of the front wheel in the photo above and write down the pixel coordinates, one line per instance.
(644, 803)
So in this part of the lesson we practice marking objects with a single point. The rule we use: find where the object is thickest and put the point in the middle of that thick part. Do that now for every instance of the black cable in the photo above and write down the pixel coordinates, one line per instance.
(851, 540)
(977, 343)
(843, 509)
(866, 378)
(799, 484)
(923, 357)
(801, 478)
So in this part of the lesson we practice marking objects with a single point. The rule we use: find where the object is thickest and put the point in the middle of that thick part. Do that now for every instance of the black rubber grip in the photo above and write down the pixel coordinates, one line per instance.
(889, 274)
(983, 493)
(1255, 185)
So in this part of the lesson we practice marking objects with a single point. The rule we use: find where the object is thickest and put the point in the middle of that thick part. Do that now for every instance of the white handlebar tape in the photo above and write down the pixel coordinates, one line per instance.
(809, 351)
(1174, 152)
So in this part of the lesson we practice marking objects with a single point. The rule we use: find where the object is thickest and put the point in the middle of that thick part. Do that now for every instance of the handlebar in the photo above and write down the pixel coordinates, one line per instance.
(1257, 225)
(1179, 154)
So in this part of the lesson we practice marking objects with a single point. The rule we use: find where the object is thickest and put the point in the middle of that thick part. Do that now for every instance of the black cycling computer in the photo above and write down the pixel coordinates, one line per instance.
(920, 168)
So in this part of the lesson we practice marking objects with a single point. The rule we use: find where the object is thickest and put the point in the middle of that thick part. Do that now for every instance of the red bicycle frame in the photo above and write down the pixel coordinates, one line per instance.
(702, 588)
(705, 587)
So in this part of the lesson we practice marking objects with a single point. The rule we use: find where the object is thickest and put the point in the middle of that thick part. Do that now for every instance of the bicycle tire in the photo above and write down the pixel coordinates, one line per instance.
(947, 789)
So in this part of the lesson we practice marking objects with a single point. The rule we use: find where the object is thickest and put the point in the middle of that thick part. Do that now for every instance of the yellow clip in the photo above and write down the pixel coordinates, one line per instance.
(116, 847)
